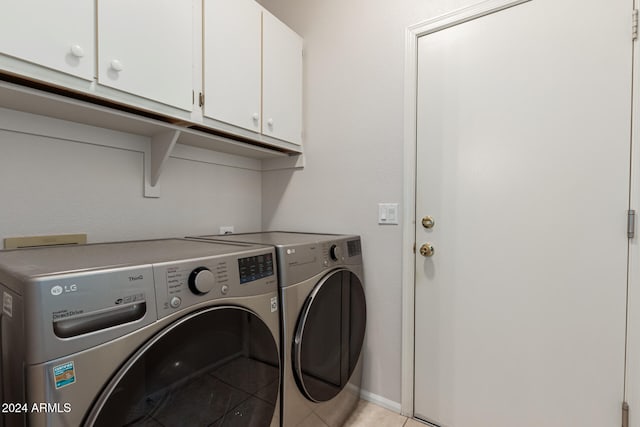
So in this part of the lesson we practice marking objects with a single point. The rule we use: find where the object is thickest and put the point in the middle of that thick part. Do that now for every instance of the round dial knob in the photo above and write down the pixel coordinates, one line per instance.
(201, 280)
(335, 252)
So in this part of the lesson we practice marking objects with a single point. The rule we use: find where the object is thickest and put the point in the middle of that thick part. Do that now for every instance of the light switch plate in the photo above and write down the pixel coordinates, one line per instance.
(388, 213)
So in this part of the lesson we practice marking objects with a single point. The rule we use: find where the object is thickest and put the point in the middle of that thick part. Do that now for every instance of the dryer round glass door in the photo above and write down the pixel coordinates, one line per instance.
(329, 335)
(208, 368)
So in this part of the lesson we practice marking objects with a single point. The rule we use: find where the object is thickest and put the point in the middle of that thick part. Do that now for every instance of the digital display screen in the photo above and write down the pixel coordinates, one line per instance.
(255, 267)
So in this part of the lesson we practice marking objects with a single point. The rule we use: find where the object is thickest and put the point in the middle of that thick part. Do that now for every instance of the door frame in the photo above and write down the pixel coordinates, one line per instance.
(632, 350)
(412, 34)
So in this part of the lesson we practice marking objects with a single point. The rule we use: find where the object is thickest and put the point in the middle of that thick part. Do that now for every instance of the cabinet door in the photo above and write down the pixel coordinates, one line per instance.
(55, 34)
(145, 48)
(232, 37)
(282, 81)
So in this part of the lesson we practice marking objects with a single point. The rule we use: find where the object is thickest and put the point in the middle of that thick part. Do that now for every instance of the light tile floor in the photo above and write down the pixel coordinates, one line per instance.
(368, 414)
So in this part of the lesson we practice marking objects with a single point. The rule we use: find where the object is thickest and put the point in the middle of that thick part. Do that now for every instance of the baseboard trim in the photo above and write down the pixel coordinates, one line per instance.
(381, 401)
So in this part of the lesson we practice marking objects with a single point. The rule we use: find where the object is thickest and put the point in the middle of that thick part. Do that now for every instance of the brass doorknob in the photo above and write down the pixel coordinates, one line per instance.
(428, 222)
(427, 250)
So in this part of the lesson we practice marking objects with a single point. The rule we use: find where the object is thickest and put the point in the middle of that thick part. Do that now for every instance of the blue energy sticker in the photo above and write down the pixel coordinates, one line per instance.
(64, 374)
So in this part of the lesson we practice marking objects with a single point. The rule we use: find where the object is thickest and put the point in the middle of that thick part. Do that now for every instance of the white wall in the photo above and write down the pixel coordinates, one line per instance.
(56, 185)
(353, 123)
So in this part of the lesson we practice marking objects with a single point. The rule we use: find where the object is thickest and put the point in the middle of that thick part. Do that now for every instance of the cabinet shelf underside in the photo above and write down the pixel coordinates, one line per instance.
(29, 96)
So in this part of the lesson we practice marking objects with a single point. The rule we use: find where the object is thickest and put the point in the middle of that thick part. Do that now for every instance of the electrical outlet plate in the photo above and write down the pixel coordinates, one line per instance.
(226, 229)
(52, 240)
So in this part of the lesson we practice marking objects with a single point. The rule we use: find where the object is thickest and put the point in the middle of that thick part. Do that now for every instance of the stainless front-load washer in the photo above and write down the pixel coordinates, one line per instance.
(323, 313)
(157, 333)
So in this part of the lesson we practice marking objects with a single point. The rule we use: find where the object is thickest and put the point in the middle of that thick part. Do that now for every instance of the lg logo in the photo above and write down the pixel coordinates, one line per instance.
(58, 290)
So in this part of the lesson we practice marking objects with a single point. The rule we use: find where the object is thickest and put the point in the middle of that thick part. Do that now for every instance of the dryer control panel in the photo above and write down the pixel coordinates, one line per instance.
(189, 283)
(303, 261)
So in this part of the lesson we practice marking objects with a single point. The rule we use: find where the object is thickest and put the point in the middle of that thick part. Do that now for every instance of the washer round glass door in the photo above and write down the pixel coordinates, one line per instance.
(329, 335)
(208, 368)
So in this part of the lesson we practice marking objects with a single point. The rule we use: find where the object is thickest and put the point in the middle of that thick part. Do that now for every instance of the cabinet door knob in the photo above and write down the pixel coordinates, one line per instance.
(77, 51)
(270, 123)
(255, 117)
(116, 65)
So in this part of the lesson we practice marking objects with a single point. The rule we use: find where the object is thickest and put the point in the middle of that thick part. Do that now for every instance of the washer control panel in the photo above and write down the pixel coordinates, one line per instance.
(303, 261)
(191, 282)
(335, 252)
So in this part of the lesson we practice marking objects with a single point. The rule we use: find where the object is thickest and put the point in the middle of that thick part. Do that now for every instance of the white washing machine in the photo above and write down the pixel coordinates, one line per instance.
(149, 333)
(323, 313)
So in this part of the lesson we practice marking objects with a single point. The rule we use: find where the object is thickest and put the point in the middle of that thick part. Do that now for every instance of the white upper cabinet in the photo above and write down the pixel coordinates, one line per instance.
(282, 81)
(227, 67)
(145, 48)
(55, 34)
(232, 62)
(252, 70)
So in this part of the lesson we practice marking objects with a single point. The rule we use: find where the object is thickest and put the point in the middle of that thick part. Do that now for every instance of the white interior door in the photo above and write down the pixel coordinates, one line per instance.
(523, 141)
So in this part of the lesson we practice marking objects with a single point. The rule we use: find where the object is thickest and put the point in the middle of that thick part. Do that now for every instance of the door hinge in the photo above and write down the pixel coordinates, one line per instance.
(625, 414)
(201, 99)
(631, 223)
(634, 25)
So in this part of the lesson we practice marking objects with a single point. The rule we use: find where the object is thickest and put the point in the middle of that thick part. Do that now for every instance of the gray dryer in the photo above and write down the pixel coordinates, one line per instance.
(323, 315)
